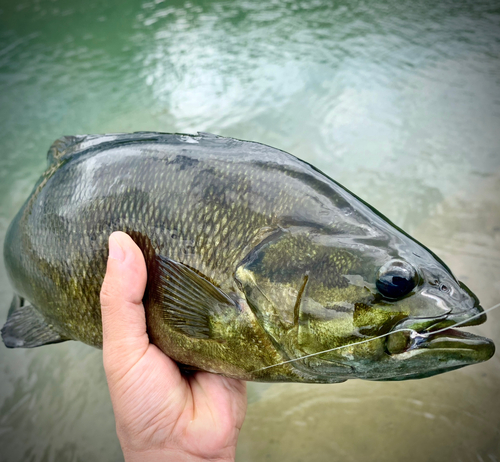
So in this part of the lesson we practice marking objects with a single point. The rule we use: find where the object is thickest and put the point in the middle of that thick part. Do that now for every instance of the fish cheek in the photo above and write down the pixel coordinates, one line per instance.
(339, 329)
(375, 320)
(320, 328)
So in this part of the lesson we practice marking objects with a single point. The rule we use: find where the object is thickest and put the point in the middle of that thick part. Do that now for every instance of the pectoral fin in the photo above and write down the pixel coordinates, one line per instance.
(26, 327)
(188, 299)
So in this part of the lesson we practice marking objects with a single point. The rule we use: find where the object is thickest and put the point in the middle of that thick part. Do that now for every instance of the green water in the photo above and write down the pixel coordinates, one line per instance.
(397, 100)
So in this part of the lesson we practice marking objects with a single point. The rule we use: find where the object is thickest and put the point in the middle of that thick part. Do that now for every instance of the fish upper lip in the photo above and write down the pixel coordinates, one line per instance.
(472, 316)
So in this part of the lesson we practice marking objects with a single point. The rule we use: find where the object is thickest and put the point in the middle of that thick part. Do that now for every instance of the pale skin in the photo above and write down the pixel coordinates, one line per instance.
(161, 415)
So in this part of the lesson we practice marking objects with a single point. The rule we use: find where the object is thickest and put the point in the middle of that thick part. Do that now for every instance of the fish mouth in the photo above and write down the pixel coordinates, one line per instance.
(440, 337)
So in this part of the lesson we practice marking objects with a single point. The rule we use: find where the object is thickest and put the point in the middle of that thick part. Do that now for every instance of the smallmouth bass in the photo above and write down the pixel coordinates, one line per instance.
(260, 267)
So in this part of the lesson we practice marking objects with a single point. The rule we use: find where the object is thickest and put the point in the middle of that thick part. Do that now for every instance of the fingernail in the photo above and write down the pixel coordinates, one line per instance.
(115, 250)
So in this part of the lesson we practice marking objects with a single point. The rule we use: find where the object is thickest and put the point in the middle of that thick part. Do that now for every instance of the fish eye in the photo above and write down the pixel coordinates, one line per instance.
(396, 279)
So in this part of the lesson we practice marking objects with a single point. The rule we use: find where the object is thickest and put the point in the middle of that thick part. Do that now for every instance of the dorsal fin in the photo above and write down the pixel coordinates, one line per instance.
(67, 146)
(61, 146)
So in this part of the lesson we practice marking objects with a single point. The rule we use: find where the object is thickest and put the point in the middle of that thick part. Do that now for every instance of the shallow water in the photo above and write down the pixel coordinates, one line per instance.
(399, 101)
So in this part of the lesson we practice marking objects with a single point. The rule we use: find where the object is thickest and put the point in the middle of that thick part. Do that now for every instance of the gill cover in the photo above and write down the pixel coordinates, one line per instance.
(300, 292)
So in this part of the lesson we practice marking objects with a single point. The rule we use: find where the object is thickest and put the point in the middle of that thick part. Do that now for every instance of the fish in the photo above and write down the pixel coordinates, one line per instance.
(260, 267)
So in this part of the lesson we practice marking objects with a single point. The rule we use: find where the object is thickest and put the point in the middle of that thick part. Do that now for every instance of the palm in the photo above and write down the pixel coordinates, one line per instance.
(156, 407)
(202, 413)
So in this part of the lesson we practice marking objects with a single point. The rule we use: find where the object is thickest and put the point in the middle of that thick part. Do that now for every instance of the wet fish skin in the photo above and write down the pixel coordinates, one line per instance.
(254, 258)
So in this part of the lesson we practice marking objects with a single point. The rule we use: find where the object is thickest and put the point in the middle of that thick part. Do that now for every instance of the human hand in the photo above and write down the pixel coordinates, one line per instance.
(160, 414)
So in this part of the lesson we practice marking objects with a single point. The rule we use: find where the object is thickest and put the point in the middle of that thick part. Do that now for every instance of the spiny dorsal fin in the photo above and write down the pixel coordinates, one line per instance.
(188, 299)
(61, 145)
(68, 146)
(26, 328)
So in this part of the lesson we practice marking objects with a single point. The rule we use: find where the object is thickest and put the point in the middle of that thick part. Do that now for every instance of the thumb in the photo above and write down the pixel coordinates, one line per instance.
(125, 339)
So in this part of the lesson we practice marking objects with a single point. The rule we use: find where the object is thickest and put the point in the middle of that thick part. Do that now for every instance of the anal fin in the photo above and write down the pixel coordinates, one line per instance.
(26, 327)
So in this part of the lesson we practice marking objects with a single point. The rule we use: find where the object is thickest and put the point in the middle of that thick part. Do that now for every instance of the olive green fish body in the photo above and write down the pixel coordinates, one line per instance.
(254, 259)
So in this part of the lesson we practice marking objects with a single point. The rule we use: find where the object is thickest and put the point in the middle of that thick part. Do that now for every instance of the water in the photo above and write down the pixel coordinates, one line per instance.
(397, 100)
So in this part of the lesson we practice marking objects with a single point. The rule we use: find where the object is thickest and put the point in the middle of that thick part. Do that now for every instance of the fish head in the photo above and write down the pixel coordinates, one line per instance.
(431, 300)
(372, 307)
